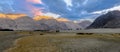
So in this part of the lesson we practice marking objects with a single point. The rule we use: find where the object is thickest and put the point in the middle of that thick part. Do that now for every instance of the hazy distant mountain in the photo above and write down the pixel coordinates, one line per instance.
(49, 23)
(84, 24)
(69, 24)
(56, 24)
(109, 20)
(73, 26)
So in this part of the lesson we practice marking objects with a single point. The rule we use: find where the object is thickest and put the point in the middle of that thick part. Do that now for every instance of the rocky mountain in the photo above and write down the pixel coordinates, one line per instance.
(109, 20)
(56, 24)
(24, 22)
(17, 22)
(6, 23)
(49, 23)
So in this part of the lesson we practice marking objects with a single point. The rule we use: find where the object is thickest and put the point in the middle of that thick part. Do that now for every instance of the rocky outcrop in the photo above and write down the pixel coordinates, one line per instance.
(49, 23)
(7, 23)
(25, 23)
(109, 20)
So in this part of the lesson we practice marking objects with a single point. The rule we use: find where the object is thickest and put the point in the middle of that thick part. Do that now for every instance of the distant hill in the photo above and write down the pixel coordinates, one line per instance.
(84, 24)
(24, 22)
(109, 20)
(50, 23)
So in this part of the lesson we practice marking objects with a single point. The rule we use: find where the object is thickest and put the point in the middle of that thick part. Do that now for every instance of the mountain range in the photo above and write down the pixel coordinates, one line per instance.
(24, 22)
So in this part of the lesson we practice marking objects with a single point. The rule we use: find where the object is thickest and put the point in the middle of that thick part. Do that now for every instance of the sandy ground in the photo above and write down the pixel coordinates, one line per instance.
(94, 31)
(64, 43)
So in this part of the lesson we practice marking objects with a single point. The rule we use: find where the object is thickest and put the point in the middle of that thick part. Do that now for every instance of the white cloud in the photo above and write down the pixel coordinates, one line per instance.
(89, 2)
(84, 19)
(68, 2)
(107, 10)
(51, 14)
(85, 2)
(91, 20)
(88, 18)
(84, 12)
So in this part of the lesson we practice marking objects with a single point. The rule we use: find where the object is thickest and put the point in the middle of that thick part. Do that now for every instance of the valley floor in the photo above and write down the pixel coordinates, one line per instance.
(101, 30)
(58, 42)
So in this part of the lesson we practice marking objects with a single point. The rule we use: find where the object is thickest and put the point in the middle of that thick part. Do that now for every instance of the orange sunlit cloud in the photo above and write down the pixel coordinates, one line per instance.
(62, 19)
(42, 17)
(12, 16)
(34, 10)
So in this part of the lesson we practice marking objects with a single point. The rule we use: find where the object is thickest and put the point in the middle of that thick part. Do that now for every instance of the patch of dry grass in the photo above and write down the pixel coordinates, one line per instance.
(7, 38)
(33, 44)
(65, 43)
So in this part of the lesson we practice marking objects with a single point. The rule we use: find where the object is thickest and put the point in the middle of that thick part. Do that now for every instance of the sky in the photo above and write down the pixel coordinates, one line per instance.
(70, 9)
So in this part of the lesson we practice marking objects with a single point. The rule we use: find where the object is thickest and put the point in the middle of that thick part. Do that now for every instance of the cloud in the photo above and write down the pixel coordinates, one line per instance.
(34, 10)
(68, 2)
(21, 6)
(71, 9)
(35, 1)
(6, 4)
(85, 2)
(84, 12)
(91, 20)
(107, 10)
(51, 15)
(28, 7)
